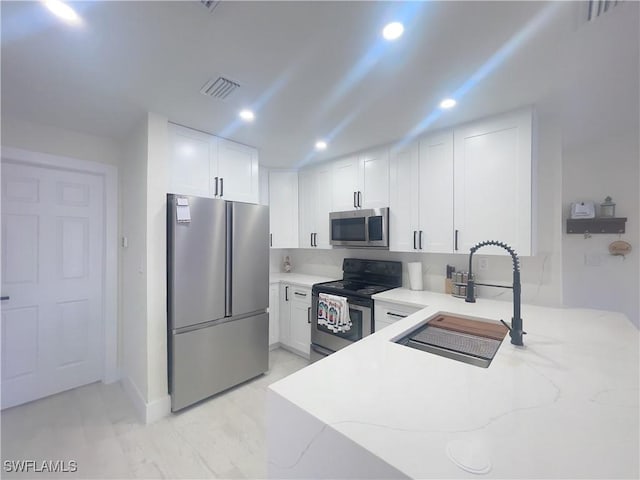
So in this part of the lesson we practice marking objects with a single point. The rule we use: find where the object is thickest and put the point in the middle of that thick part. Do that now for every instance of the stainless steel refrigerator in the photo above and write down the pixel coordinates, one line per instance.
(218, 293)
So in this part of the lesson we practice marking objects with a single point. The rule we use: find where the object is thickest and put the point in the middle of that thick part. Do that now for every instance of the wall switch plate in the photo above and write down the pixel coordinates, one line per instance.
(483, 263)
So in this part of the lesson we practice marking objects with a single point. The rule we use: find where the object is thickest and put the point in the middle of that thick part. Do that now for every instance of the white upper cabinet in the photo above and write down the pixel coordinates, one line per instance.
(283, 209)
(492, 174)
(373, 176)
(315, 202)
(404, 188)
(207, 166)
(435, 233)
(238, 171)
(192, 157)
(361, 181)
(345, 184)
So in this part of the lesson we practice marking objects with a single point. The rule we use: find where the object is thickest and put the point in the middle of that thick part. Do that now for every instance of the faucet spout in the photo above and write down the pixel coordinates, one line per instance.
(515, 330)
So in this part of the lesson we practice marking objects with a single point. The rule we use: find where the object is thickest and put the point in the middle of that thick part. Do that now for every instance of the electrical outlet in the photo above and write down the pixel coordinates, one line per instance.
(593, 259)
(483, 263)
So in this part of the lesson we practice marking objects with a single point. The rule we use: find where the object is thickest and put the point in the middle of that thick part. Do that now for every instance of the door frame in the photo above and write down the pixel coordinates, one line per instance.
(109, 174)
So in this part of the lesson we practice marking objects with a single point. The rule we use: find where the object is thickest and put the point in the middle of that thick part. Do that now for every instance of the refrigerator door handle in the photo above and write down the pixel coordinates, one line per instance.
(229, 266)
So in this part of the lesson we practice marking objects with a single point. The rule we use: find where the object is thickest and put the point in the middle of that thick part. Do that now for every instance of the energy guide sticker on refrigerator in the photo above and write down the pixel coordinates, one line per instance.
(217, 295)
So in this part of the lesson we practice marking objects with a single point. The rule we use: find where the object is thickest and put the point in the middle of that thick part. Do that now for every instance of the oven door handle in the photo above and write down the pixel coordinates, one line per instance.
(321, 350)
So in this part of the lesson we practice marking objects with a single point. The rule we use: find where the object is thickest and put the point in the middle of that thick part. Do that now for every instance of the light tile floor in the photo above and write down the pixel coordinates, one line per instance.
(96, 426)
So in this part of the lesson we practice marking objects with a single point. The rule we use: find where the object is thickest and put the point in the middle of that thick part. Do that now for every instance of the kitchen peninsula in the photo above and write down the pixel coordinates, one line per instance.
(563, 406)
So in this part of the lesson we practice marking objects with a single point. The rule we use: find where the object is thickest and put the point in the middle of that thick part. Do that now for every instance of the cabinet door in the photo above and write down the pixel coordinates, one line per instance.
(374, 178)
(283, 209)
(285, 313)
(403, 199)
(307, 206)
(274, 317)
(190, 155)
(300, 329)
(492, 174)
(323, 202)
(436, 192)
(238, 169)
(345, 184)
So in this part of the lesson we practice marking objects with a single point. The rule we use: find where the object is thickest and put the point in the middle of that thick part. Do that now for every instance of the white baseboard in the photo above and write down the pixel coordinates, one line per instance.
(273, 346)
(158, 409)
(146, 412)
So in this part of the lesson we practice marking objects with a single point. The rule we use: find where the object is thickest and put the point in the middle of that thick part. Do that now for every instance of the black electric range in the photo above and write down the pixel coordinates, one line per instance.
(363, 278)
(360, 280)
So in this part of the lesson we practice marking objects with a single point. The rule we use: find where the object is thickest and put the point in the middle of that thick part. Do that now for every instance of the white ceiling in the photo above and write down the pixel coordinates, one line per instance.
(309, 69)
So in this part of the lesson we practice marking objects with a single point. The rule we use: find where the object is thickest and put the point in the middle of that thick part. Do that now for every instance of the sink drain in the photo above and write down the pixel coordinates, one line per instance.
(468, 455)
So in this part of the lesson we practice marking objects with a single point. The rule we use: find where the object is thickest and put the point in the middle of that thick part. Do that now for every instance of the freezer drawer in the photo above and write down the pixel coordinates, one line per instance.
(209, 360)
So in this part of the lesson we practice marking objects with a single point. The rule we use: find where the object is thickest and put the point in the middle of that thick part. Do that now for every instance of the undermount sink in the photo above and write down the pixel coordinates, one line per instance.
(467, 340)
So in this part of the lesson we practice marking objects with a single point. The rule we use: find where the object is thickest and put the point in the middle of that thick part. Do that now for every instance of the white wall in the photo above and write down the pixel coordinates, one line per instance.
(37, 137)
(134, 265)
(600, 120)
(157, 181)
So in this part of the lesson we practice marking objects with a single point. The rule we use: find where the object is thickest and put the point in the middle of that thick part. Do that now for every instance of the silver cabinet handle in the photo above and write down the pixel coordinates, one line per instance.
(286, 294)
(420, 240)
(315, 239)
(308, 314)
(221, 187)
(360, 199)
(216, 180)
(414, 240)
(271, 239)
(355, 199)
(397, 315)
(5, 298)
(300, 294)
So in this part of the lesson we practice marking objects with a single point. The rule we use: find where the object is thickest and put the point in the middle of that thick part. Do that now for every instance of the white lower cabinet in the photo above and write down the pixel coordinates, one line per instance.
(274, 314)
(386, 313)
(295, 319)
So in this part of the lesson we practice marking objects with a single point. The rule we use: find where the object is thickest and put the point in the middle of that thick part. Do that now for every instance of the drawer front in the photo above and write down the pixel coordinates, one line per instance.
(389, 313)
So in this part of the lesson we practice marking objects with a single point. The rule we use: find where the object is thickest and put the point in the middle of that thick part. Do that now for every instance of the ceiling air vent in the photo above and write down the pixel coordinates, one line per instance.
(210, 4)
(599, 7)
(219, 88)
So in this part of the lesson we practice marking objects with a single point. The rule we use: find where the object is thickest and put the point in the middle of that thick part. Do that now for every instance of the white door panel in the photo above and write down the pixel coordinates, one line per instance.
(403, 199)
(436, 193)
(52, 266)
(238, 169)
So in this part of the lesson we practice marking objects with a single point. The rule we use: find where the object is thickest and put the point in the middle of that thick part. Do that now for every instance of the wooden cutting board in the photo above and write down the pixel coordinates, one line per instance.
(497, 331)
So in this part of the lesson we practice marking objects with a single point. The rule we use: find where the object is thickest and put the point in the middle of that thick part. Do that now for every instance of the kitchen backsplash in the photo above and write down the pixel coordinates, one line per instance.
(536, 277)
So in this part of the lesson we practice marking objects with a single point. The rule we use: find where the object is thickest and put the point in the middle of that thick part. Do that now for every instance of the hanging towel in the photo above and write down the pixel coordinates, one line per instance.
(333, 313)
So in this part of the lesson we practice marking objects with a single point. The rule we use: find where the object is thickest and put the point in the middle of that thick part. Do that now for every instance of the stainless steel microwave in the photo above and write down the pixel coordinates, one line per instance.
(360, 228)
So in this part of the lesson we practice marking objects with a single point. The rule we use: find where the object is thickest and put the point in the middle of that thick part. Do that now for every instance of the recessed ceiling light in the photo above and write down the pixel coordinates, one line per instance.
(393, 31)
(448, 103)
(247, 115)
(62, 10)
(321, 145)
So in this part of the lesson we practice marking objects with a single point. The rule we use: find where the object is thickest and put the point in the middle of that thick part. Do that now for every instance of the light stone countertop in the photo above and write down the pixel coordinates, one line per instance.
(300, 279)
(563, 406)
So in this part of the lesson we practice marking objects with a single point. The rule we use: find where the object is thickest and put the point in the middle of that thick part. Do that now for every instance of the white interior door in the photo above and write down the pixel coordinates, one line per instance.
(52, 272)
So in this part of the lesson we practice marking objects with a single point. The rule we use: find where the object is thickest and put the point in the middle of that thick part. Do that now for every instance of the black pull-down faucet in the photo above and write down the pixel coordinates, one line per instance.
(515, 330)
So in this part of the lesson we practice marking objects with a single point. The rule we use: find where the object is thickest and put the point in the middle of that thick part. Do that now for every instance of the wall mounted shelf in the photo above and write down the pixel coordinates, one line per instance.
(596, 225)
